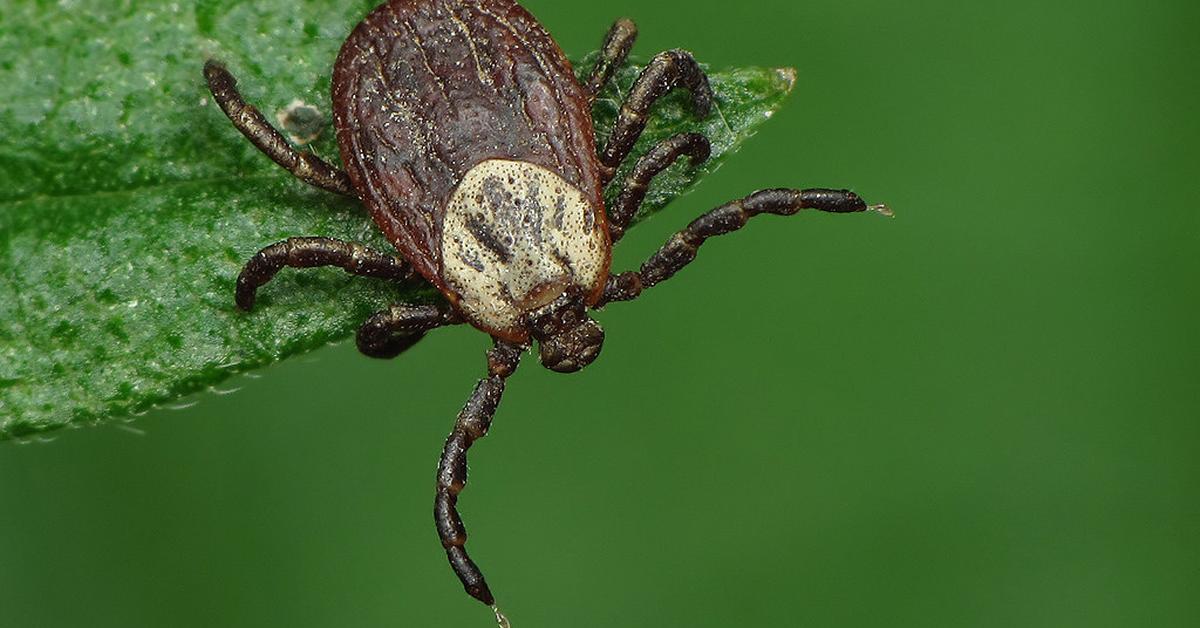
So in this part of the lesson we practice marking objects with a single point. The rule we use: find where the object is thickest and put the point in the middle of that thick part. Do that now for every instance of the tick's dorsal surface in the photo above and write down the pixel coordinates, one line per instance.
(426, 90)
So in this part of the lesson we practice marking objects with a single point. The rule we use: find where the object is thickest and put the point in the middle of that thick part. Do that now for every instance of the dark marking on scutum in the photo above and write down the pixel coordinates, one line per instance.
(562, 260)
(589, 219)
(560, 209)
(494, 193)
(471, 260)
(531, 214)
(484, 235)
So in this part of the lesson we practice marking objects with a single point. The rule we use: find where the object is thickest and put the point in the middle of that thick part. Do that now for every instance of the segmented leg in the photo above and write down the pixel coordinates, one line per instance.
(668, 70)
(250, 121)
(680, 250)
(613, 53)
(657, 159)
(354, 258)
(390, 332)
(472, 424)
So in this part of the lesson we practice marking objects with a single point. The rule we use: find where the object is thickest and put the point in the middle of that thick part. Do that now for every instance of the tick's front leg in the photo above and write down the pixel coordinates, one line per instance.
(681, 249)
(472, 424)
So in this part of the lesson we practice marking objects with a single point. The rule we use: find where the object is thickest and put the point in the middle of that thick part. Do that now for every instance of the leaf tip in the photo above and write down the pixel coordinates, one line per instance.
(786, 77)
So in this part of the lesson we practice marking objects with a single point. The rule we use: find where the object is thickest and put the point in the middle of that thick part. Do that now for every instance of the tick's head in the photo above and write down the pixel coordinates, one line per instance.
(568, 339)
(572, 349)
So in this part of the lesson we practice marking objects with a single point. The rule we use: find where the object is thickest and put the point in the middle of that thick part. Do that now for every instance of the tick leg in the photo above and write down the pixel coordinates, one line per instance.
(390, 332)
(680, 250)
(668, 70)
(250, 121)
(472, 424)
(613, 53)
(354, 258)
(657, 159)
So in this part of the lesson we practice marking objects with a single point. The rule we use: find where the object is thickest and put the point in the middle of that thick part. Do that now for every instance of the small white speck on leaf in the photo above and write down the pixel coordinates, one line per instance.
(302, 121)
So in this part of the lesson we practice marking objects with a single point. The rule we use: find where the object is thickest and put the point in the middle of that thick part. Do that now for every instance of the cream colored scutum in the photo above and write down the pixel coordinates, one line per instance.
(515, 236)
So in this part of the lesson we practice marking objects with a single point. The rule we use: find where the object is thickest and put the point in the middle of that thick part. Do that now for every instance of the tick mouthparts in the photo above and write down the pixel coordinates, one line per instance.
(882, 209)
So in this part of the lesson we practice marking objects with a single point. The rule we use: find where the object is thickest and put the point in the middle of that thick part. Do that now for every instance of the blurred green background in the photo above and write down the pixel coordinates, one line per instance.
(982, 413)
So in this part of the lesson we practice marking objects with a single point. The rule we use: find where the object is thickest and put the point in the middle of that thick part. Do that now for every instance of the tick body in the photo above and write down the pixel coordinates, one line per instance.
(463, 130)
(471, 142)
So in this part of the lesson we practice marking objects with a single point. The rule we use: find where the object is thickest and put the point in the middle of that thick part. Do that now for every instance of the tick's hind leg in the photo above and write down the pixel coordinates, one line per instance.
(668, 70)
(681, 249)
(250, 121)
(390, 332)
(613, 53)
(472, 424)
(311, 252)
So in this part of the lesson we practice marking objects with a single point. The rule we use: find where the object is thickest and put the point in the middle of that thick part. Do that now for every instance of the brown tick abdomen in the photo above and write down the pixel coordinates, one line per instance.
(423, 90)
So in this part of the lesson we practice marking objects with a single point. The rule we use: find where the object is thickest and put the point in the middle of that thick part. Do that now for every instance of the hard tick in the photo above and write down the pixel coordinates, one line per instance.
(463, 129)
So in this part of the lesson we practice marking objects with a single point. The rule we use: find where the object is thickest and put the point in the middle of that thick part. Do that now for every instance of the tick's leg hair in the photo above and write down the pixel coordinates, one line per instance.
(472, 424)
(657, 159)
(390, 332)
(250, 121)
(352, 257)
(613, 53)
(670, 69)
(680, 250)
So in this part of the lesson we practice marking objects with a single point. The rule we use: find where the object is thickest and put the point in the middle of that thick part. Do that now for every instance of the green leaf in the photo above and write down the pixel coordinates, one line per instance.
(128, 203)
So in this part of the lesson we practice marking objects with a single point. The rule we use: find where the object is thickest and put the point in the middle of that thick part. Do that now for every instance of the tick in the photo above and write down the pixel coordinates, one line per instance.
(463, 129)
